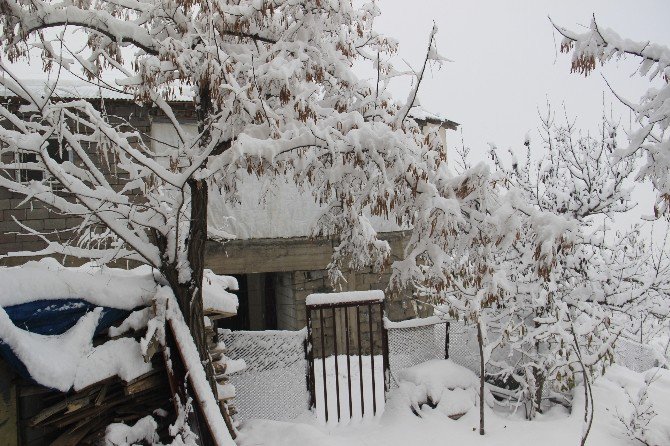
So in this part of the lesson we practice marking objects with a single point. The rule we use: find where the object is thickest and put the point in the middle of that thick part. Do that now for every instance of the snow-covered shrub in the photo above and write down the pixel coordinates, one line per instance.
(441, 384)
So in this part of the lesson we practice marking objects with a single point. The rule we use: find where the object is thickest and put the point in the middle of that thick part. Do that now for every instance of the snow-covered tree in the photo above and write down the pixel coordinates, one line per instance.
(651, 140)
(466, 226)
(570, 176)
(562, 329)
(274, 92)
(600, 44)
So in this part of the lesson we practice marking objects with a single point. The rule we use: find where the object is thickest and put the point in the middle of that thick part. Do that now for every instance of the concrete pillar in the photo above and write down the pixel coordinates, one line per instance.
(256, 296)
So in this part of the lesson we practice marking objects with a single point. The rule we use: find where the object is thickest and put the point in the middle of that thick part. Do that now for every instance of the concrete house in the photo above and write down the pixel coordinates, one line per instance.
(275, 261)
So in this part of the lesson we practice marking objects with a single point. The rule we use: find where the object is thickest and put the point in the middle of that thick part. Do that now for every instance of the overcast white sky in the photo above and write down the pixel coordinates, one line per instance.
(506, 63)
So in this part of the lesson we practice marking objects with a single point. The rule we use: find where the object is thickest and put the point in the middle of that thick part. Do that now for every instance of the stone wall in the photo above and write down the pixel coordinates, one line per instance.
(52, 224)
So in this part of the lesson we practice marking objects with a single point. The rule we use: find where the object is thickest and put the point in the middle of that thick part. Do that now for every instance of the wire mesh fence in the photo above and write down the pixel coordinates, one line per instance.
(273, 386)
(420, 340)
(635, 356)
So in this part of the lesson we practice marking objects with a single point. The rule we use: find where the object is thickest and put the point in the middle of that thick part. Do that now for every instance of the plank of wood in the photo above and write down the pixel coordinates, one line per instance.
(197, 398)
(142, 384)
(54, 409)
(101, 396)
(33, 390)
(214, 315)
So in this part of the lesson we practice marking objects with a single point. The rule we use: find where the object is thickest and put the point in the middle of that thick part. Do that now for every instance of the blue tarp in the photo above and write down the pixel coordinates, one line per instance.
(56, 316)
(53, 317)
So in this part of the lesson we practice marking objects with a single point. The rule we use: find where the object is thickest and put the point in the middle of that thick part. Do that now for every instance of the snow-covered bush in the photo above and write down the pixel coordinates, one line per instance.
(442, 384)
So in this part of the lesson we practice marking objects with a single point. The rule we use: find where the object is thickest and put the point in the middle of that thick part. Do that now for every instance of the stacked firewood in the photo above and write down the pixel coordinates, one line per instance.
(219, 361)
(81, 417)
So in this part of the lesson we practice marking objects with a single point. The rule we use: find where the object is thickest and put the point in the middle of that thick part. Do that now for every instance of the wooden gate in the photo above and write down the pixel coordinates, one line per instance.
(348, 354)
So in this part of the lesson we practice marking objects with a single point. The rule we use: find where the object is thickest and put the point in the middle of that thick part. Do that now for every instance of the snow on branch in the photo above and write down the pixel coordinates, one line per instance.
(651, 111)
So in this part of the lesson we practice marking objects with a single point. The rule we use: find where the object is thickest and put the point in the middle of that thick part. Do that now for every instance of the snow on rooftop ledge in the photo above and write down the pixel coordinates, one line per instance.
(345, 297)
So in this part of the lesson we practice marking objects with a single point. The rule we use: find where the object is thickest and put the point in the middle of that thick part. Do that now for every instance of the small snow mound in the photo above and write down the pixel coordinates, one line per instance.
(144, 430)
(438, 374)
(456, 402)
(443, 384)
(215, 294)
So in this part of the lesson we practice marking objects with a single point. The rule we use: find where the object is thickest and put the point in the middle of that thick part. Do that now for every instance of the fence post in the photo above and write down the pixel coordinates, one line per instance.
(346, 327)
(322, 325)
(372, 361)
(446, 340)
(337, 367)
(385, 348)
(360, 358)
(309, 354)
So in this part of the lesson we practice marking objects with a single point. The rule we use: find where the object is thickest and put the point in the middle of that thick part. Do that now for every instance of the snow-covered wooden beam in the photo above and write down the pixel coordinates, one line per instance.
(347, 298)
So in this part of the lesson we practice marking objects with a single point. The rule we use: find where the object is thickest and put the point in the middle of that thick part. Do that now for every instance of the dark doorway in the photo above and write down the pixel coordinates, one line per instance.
(241, 321)
(257, 304)
(270, 302)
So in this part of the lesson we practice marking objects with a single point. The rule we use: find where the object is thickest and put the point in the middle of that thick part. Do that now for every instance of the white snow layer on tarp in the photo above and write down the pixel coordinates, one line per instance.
(107, 287)
(69, 360)
(203, 393)
(345, 297)
(215, 295)
(135, 321)
(48, 279)
(272, 209)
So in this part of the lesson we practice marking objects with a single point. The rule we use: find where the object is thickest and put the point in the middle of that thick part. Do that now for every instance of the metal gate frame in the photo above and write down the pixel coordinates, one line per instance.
(311, 381)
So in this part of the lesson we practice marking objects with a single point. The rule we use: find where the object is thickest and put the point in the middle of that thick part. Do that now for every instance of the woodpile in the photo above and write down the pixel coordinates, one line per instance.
(81, 417)
(220, 373)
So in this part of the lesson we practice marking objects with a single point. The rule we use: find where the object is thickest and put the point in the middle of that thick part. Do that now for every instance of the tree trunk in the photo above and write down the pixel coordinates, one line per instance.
(196, 257)
(480, 340)
(539, 377)
(189, 294)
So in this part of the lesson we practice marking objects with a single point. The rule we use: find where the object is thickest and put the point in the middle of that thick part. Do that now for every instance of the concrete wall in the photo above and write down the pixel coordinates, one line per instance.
(256, 296)
(287, 311)
(292, 289)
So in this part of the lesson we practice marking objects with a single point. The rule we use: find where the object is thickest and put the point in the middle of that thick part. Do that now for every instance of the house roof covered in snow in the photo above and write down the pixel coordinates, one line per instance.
(76, 89)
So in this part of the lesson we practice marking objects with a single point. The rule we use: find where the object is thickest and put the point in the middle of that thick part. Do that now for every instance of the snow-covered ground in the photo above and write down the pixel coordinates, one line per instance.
(399, 426)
